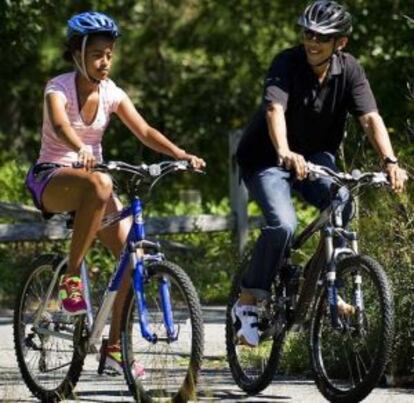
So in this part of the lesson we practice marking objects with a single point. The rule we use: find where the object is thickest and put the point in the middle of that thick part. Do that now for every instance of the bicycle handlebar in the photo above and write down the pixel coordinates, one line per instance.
(144, 170)
(356, 177)
(146, 174)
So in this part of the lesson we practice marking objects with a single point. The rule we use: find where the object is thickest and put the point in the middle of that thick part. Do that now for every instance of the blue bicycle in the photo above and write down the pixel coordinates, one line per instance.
(162, 326)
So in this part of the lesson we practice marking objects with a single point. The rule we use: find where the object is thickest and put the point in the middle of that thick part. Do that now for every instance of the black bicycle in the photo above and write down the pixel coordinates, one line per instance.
(341, 297)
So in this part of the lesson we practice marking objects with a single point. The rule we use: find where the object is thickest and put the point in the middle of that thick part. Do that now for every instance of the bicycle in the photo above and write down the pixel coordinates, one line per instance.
(162, 325)
(349, 348)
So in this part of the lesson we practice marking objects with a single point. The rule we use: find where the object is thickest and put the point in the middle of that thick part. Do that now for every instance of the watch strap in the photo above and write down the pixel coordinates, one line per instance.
(390, 160)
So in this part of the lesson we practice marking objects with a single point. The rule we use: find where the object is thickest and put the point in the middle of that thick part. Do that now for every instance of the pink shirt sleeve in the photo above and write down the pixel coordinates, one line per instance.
(53, 87)
(115, 95)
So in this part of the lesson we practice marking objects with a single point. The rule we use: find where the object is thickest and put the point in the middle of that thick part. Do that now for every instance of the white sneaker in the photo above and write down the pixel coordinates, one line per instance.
(245, 322)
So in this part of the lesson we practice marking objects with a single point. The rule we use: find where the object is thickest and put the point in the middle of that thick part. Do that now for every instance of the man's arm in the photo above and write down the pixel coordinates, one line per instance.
(377, 133)
(276, 123)
(375, 129)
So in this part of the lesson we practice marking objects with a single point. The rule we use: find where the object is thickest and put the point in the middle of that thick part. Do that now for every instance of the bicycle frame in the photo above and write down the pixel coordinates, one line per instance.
(133, 255)
(329, 223)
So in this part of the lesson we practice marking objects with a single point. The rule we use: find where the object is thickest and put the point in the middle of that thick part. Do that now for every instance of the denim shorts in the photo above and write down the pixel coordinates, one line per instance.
(37, 179)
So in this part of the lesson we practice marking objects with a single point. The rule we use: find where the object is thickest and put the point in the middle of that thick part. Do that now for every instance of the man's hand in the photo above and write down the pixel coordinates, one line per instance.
(295, 162)
(398, 177)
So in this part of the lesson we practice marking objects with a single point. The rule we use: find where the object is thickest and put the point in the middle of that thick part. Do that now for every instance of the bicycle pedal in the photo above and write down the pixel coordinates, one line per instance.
(101, 365)
(109, 372)
(268, 333)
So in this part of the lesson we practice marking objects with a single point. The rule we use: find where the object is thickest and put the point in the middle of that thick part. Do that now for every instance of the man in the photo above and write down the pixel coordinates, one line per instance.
(308, 91)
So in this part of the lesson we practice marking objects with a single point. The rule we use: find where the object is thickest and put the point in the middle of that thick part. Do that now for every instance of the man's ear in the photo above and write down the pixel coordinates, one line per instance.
(341, 42)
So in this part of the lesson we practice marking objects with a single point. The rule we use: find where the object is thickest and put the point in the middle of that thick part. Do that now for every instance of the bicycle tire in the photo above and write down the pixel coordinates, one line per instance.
(334, 389)
(178, 385)
(28, 344)
(251, 384)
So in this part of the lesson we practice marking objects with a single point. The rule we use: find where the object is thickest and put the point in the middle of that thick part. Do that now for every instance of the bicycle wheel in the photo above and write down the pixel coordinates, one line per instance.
(171, 366)
(50, 365)
(348, 363)
(253, 368)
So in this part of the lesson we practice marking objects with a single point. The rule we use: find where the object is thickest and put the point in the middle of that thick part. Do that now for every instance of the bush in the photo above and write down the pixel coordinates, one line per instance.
(12, 176)
(388, 235)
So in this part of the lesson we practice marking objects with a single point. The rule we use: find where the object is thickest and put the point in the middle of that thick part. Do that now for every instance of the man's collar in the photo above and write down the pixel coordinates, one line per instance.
(336, 67)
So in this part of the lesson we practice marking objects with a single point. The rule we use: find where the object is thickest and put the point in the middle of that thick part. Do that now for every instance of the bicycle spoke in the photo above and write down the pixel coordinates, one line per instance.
(349, 364)
(168, 363)
(253, 368)
(47, 361)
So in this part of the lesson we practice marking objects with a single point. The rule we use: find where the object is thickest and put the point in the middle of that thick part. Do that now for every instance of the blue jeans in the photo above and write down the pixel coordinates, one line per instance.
(272, 188)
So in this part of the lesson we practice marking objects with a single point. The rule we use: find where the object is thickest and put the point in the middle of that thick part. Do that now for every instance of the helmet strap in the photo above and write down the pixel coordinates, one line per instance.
(82, 67)
(83, 54)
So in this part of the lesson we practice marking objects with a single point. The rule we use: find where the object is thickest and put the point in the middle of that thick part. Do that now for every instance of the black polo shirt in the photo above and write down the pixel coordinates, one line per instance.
(315, 113)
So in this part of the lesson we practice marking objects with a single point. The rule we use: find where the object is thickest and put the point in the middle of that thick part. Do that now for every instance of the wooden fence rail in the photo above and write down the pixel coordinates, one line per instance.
(34, 228)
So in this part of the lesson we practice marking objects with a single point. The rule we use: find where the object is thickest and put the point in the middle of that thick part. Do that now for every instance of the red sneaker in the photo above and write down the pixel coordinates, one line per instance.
(114, 364)
(70, 295)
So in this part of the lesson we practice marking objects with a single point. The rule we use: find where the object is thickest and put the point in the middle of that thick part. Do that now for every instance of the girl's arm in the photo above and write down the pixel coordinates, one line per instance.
(64, 130)
(60, 122)
(151, 137)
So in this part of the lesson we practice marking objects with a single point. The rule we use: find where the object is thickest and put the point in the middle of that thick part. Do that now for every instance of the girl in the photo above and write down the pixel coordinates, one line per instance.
(77, 110)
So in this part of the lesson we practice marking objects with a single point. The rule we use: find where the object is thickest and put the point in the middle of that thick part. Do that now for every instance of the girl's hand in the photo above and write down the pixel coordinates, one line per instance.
(196, 162)
(86, 158)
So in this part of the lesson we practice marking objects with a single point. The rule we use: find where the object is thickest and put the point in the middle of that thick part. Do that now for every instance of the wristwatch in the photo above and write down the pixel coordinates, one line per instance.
(390, 160)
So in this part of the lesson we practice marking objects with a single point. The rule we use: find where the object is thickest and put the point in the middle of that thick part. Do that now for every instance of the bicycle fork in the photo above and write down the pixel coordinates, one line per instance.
(332, 255)
(139, 275)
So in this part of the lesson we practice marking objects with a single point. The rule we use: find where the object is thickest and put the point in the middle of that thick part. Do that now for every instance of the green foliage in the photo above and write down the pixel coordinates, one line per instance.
(295, 357)
(12, 175)
(12, 267)
(15, 260)
(210, 258)
(388, 234)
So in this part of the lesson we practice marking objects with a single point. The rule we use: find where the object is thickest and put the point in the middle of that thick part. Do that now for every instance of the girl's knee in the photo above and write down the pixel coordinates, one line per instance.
(101, 186)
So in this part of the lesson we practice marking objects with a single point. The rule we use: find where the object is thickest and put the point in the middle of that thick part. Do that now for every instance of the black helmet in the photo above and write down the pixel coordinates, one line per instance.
(326, 18)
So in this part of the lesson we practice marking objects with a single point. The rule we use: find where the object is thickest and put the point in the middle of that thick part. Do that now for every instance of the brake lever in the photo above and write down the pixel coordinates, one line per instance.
(381, 178)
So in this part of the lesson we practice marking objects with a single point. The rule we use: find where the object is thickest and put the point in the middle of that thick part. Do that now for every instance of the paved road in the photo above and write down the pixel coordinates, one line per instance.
(216, 382)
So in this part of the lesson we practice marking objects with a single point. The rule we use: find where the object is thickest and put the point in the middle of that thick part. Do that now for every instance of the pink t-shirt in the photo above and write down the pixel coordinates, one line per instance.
(54, 149)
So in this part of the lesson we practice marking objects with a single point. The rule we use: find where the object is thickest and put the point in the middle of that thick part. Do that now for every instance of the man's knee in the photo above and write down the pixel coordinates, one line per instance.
(282, 229)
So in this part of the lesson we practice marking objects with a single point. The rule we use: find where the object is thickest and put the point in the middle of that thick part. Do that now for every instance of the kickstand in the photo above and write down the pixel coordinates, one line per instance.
(102, 357)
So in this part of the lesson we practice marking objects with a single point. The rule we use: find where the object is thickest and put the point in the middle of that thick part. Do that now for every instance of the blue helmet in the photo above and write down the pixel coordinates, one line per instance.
(91, 22)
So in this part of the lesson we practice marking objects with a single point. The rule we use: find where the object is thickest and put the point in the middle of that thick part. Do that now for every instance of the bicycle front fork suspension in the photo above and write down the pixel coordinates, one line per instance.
(142, 307)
